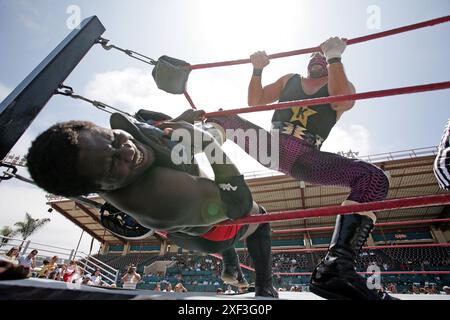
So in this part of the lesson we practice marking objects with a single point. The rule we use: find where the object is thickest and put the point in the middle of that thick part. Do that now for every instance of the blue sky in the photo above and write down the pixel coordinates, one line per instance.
(207, 31)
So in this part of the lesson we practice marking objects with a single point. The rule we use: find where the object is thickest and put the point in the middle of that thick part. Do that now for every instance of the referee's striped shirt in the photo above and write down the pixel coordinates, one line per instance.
(442, 162)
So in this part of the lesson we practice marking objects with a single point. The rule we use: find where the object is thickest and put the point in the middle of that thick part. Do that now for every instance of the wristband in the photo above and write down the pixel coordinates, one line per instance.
(257, 72)
(334, 60)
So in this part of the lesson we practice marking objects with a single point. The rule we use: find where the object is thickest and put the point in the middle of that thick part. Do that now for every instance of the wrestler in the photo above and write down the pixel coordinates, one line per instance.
(441, 165)
(130, 167)
(302, 132)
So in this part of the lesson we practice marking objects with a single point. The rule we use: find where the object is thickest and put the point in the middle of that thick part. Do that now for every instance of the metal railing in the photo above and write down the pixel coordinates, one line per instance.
(86, 261)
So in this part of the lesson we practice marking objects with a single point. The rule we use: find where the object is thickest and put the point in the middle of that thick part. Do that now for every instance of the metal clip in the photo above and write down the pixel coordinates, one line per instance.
(11, 171)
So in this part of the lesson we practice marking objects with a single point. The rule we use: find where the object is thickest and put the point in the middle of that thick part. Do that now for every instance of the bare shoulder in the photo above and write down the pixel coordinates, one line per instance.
(284, 79)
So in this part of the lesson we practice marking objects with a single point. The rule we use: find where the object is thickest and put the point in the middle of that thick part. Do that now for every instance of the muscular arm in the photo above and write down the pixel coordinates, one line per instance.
(259, 95)
(221, 164)
(338, 84)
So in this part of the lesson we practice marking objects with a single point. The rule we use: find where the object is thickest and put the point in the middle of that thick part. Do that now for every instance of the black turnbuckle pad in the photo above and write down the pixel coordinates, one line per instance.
(171, 75)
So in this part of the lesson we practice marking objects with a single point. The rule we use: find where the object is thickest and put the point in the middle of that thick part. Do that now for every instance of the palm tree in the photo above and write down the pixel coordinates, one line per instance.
(7, 232)
(29, 226)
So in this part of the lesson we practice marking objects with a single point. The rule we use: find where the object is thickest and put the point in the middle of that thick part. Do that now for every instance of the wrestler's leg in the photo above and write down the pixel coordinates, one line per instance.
(235, 122)
(366, 181)
(304, 162)
(335, 276)
(260, 249)
(231, 271)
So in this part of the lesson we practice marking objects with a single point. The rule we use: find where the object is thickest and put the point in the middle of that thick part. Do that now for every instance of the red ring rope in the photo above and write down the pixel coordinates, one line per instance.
(382, 224)
(398, 246)
(366, 272)
(337, 98)
(382, 34)
(416, 202)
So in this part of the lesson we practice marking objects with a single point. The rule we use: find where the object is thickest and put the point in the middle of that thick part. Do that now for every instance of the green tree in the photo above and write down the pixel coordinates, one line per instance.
(29, 226)
(8, 232)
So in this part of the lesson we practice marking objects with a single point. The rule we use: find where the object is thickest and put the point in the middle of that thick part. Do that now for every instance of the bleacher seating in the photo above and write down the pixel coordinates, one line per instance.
(202, 272)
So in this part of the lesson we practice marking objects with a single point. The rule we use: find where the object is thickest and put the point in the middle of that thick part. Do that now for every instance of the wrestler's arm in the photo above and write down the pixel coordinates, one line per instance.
(338, 84)
(257, 94)
(220, 163)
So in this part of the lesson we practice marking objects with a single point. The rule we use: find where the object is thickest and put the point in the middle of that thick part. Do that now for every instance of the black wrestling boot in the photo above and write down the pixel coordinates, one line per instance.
(231, 271)
(259, 248)
(335, 277)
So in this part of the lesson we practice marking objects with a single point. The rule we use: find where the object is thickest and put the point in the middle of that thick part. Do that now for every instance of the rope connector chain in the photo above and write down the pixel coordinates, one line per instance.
(133, 54)
(11, 170)
(69, 92)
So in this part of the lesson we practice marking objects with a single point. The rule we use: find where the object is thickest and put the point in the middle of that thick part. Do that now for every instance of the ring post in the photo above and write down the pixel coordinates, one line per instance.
(24, 103)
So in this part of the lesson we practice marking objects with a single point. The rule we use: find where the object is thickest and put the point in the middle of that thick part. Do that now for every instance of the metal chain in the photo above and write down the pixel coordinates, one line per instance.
(133, 54)
(14, 174)
(68, 91)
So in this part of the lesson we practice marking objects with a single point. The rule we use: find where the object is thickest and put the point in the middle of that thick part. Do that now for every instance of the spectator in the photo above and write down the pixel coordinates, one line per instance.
(131, 278)
(78, 276)
(168, 288)
(10, 271)
(54, 263)
(219, 291)
(242, 290)
(392, 288)
(52, 267)
(96, 278)
(180, 288)
(446, 289)
(59, 274)
(29, 261)
(229, 290)
(158, 287)
(87, 281)
(11, 256)
(43, 273)
(70, 271)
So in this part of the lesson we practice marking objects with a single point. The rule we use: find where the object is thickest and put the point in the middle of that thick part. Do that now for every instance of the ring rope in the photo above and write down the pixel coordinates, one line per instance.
(336, 98)
(416, 202)
(367, 272)
(382, 224)
(189, 99)
(398, 246)
(378, 35)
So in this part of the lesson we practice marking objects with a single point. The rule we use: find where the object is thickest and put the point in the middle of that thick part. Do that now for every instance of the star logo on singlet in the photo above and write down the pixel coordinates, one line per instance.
(301, 114)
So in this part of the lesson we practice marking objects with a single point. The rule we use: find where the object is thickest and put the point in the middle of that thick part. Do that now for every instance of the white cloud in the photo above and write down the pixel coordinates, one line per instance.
(4, 91)
(30, 23)
(355, 138)
(132, 89)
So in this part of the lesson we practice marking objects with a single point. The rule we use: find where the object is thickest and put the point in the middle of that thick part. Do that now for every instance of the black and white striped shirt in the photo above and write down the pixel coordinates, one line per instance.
(442, 162)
